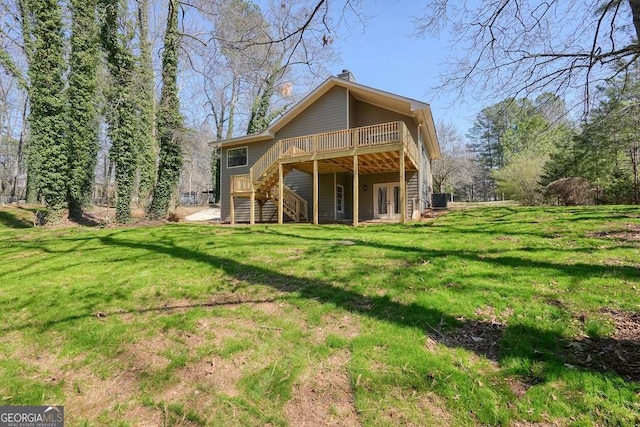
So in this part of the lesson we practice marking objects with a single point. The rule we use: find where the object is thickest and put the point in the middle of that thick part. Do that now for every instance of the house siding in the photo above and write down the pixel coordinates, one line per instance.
(364, 114)
(327, 114)
(254, 152)
(425, 183)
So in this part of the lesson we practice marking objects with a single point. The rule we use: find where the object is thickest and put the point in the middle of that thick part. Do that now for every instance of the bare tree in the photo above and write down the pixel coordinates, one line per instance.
(454, 168)
(523, 47)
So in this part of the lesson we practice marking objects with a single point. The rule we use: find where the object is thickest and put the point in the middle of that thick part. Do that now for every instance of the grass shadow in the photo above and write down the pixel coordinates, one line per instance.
(497, 258)
(14, 221)
(513, 341)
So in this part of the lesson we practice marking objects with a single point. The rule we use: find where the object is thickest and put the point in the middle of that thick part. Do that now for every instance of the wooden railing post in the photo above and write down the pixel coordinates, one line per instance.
(280, 194)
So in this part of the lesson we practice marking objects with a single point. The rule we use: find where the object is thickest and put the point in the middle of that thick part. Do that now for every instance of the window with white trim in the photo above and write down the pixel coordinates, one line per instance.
(340, 198)
(237, 157)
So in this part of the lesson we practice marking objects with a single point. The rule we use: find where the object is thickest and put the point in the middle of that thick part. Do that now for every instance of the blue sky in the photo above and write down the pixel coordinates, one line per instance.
(383, 54)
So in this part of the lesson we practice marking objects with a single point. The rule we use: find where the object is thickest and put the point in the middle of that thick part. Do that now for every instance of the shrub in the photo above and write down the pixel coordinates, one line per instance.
(570, 191)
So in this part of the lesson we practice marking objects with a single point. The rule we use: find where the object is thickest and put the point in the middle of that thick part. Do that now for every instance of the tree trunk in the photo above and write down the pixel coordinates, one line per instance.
(635, 13)
(633, 152)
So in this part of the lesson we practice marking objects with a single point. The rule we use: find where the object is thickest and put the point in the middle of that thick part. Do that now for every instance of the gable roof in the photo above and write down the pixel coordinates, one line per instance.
(420, 111)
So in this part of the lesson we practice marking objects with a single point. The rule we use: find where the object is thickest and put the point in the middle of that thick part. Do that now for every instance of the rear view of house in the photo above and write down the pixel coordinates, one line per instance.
(346, 152)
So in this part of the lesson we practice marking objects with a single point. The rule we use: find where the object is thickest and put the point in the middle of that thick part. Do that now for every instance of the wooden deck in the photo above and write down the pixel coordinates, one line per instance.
(387, 147)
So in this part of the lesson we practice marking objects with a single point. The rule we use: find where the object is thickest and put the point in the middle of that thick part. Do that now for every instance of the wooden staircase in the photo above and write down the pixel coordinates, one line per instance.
(265, 184)
(294, 206)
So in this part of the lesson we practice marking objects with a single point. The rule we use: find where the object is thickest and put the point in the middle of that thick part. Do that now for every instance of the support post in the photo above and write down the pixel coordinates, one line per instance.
(232, 210)
(356, 186)
(280, 194)
(403, 188)
(335, 198)
(260, 206)
(252, 208)
(315, 192)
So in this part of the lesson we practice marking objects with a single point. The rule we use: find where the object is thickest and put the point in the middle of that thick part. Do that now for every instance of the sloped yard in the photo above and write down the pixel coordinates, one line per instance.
(500, 316)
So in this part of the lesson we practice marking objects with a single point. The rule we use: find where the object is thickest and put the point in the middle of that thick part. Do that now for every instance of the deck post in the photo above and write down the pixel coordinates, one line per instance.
(315, 192)
(280, 194)
(356, 186)
(335, 198)
(232, 210)
(252, 208)
(260, 206)
(403, 188)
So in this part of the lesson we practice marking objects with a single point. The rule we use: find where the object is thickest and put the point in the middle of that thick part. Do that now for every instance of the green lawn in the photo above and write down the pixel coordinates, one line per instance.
(492, 316)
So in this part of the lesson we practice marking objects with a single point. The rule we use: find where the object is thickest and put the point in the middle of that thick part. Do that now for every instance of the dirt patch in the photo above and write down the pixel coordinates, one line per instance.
(343, 325)
(324, 396)
(519, 388)
(145, 355)
(88, 396)
(215, 374)
(619, 353)
(275, 308)
(631, 233)
(431, 214)
(143, 416)
(489, 314)
(483, 338)
(103, 217)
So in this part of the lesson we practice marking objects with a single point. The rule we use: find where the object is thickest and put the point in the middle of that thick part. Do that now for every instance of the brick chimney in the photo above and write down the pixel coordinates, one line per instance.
(346, 75)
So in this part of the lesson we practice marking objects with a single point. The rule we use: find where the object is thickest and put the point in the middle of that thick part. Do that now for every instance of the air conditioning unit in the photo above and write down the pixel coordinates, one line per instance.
(439, 200)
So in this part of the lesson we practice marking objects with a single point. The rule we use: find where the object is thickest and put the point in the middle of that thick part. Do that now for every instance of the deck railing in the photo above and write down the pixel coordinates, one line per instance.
(367, 136)
(292, 202)
(240, 183)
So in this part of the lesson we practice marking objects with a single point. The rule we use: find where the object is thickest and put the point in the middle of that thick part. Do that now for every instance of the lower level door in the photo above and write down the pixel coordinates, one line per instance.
(386, 203)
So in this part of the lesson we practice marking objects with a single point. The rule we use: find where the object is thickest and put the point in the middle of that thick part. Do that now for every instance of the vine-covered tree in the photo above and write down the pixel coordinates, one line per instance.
(147, 147)
(83, 116)
(121, 109)
(170, 122)
(48, 152)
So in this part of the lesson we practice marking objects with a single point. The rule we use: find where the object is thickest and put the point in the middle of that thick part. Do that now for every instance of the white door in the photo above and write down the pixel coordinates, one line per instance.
(386, 201)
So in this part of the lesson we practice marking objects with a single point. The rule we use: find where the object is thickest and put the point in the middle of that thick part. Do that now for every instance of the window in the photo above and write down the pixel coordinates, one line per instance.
(340, 198)
(237, 157)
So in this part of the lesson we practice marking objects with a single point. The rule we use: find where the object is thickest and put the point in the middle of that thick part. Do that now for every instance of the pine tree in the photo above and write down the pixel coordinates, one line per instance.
(47, 118)
(170, 122)
(83, 122)
(122, 117)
